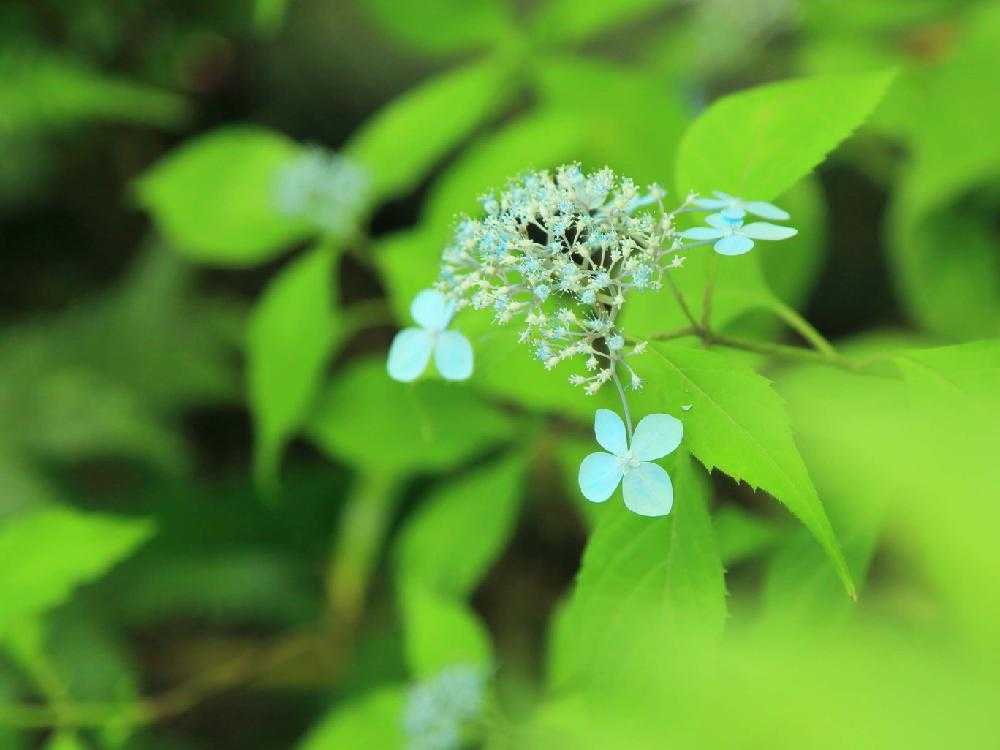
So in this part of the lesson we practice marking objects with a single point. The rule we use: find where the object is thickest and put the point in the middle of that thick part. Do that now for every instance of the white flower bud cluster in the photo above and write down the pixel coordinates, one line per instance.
(561, 252)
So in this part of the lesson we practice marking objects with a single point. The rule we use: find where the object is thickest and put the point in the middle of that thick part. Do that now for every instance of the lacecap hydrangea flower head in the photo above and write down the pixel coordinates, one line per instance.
(559, 253)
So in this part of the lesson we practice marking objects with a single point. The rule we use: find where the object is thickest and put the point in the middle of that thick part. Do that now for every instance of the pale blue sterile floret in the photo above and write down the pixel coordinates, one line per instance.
(412, 347)
(737, 208)
(646, 486)
(327, 190)
(439, 711)
(732, 237)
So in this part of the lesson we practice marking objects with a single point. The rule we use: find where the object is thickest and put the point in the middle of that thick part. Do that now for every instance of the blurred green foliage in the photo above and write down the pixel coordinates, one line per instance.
(222, 524)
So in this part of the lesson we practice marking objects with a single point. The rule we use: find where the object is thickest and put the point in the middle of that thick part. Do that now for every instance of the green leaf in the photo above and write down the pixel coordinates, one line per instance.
(291, 334)
(64, 740)
(968, 370)
(407, 138)
(218, 587)
(738, 424)
(577, 20)
(624, 110)
(40, 92)
(74, 653)
(637, 568)
(544, 139)
(444, 26)
(372, 421)
(371, 721)
(943, 236)
(49, 553)
(741, 535)
(758, 143)
(440, 631)
(837, 414)
(269, 14)
(213, 196)
(462, 528)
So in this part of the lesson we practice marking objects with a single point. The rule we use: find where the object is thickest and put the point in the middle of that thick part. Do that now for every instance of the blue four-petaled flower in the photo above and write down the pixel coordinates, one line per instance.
(646, 486)
(737, 208)
(411, 349)
(732, 236)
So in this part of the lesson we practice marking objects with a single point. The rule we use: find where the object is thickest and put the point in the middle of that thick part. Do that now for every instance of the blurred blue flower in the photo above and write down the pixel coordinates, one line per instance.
(439, 710)
(737, 208)
(646, 486)
(326, 189)
(411, 349)
(733, 237)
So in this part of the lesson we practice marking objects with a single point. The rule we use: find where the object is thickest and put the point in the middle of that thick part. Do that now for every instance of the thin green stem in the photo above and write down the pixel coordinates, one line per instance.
(793, 353)
(621, 395)
(362, 529)
(706, 303)
(801, 326)
(677, 333)
(682, 302)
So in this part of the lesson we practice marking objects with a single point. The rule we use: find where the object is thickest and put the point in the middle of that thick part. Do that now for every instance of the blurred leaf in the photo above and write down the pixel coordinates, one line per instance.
(269, 14)
(740, 535)
(537, 141)
(877, 686)
(444, 26)
(440, 631)
(50, 552)
(21, 488)
(87, 383)
(11, 738)
(225, 587)
(943, 235)
(667, 568)
(292, 332)
(40, 92)
(409, 261)
(372, 421)
(577, 20)
(462, 527)
(968, 370)
(843, 415)
(213, 197)
(738, 424)
(403, 141)
(64, 740)
(371, 721)
(634, 120)
(758, 143)
(73, 655)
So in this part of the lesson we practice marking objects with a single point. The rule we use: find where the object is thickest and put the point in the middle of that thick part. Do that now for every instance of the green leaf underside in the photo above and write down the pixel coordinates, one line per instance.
(738, 424)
